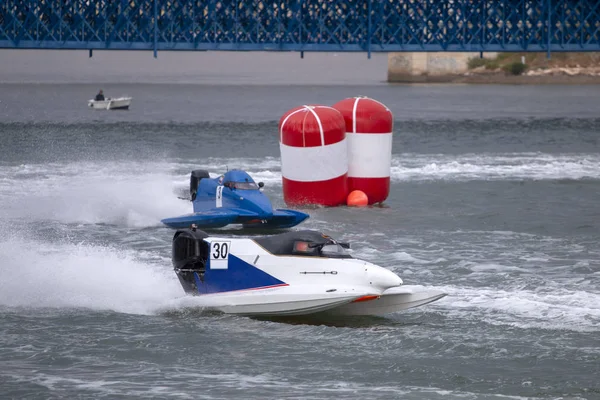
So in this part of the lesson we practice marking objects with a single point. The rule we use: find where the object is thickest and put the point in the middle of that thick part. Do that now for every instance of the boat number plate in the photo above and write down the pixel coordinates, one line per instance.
(219, 254)
(219, 196)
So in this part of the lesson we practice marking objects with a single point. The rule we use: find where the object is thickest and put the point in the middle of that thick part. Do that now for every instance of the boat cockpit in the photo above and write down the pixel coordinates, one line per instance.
(304, 243)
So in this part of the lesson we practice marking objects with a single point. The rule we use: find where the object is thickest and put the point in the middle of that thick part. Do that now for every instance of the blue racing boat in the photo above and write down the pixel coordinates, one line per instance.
(232, 198)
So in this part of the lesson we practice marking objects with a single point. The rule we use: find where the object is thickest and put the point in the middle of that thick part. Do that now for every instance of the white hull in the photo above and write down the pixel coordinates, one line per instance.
(284, 308)
(279, 301)
(294, 301)
(392, 300)
(120, 103)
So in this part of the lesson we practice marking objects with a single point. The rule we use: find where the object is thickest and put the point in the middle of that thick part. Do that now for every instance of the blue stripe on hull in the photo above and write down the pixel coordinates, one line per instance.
(238, 276)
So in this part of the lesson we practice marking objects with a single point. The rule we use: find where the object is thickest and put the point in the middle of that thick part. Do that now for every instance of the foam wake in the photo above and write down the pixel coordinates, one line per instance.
(42, 275)
(510, 166)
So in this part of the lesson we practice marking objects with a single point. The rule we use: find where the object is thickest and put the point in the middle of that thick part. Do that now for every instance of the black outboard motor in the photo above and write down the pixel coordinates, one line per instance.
(189, 255)
(195, 178)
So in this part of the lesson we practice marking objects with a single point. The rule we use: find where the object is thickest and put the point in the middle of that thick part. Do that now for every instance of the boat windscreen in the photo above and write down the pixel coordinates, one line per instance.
(242, 185)
(334, 250)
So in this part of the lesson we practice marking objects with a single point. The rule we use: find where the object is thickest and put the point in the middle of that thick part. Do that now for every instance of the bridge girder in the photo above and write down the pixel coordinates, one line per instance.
(302, 25)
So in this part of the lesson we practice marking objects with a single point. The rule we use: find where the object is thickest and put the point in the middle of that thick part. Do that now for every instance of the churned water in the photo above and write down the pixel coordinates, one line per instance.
(494, 200)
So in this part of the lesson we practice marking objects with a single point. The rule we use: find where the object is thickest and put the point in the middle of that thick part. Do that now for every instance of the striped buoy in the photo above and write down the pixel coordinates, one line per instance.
(369, 126)
(314, 159)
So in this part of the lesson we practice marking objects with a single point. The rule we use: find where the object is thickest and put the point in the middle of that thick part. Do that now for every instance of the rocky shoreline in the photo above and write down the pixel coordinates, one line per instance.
(569, 68)
(500, 78)
(545, 75)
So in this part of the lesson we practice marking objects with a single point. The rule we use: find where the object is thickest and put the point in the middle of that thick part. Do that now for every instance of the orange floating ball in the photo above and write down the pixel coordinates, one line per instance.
(357, 198)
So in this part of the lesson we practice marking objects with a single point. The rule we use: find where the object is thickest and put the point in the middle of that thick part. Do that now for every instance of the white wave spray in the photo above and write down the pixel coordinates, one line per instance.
(128, 194)
(511, 166)
(35, 274)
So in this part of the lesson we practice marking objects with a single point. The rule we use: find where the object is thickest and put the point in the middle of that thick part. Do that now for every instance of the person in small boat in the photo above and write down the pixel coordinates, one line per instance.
(100, 96)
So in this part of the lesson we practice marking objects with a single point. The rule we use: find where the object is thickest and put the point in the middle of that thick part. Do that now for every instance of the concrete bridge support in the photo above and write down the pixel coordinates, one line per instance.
(429, 67)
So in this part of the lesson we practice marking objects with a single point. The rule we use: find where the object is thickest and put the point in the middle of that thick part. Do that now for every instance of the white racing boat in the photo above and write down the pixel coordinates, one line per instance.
(293, 273)
(119, 103)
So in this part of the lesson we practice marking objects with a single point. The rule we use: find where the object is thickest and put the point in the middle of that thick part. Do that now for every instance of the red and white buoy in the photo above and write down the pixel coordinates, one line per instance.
(314, 159)
(369, 127)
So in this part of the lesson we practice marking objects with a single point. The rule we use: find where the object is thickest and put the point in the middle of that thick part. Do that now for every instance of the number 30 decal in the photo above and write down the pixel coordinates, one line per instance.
(219, 254)
(220, 250)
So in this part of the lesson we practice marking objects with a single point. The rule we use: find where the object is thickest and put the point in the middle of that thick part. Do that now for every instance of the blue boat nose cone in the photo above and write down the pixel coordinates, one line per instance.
(256, 201)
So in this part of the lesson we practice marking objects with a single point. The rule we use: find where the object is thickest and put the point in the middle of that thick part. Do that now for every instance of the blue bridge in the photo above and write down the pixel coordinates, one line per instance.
(302, 25)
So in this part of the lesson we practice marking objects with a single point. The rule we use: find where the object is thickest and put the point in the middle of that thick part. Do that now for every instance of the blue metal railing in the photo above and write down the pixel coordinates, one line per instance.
(302, 25)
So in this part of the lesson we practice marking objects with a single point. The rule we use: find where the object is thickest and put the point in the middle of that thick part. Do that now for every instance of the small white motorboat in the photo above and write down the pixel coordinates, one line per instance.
(119, 103)
(293, 273)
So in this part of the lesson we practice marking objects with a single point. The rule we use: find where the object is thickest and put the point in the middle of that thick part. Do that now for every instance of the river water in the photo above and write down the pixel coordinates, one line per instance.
(494, 200)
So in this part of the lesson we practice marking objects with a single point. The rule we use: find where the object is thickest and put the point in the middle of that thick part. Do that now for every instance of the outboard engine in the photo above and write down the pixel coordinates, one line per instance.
(189, 255)
(195, 178)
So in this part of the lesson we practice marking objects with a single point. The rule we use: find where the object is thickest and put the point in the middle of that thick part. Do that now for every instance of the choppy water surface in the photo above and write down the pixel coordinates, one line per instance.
(495, 200)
